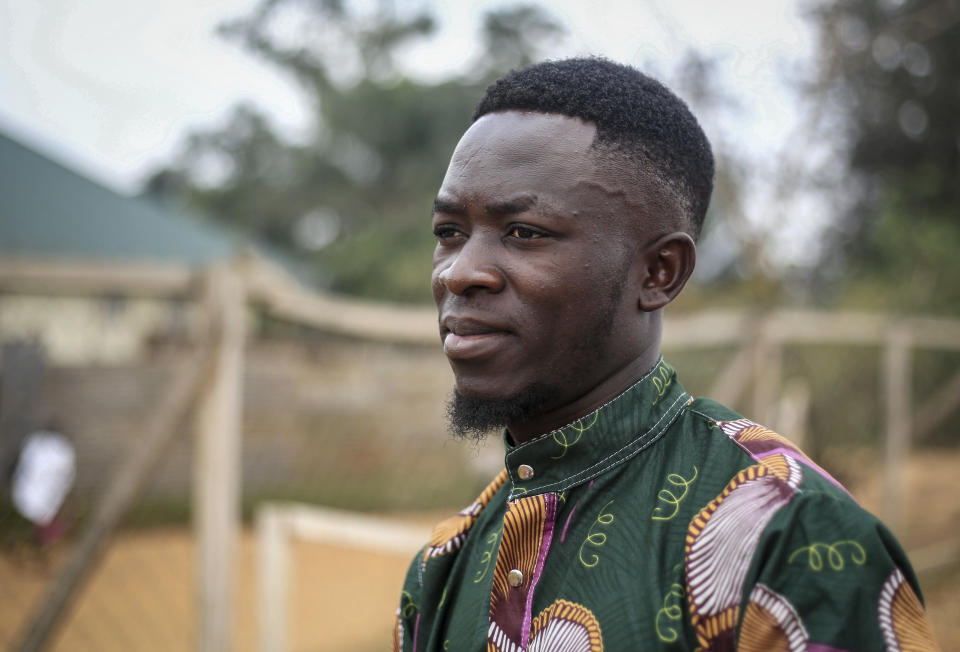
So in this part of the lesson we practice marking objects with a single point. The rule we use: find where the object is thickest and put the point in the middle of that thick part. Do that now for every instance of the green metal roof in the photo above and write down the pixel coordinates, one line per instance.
(49, 211)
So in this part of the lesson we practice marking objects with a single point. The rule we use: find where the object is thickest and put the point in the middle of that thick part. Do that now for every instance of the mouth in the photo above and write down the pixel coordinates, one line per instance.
(465, 338)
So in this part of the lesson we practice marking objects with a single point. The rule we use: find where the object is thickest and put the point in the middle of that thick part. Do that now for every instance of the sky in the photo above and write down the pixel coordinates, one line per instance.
(111, 87)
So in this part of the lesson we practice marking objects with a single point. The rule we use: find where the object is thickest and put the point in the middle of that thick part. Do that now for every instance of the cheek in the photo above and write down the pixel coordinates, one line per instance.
(584, 283)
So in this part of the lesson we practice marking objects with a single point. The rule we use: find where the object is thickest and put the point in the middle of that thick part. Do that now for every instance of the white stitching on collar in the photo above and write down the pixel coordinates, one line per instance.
(574, 479)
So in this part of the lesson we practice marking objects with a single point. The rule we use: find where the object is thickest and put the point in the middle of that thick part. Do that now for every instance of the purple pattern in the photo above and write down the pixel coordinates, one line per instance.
(800, 457)
(416, 631)
(563, 535)
(550, 515)
(759, 449)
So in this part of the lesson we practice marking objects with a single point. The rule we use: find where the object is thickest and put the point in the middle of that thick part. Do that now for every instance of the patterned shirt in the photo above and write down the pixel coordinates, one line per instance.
(660, 521)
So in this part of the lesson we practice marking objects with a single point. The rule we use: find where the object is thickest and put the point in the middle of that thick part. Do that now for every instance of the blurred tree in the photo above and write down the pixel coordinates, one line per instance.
(356, 197)
(514, 37)
(889, 74)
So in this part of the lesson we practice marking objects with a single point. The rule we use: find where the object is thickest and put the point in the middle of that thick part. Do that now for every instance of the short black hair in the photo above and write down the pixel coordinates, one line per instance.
(635, 115)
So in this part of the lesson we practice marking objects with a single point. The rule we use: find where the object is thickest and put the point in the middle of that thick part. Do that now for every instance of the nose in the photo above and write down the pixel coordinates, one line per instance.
(471, 268)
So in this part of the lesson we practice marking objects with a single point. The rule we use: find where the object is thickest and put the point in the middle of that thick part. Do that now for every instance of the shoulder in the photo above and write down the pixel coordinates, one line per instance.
(775, 487)
(783, 539)
(833, 569)
(760, 444)
(709, 410)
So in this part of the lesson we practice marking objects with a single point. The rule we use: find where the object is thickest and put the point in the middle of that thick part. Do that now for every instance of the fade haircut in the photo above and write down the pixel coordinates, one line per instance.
(636, 116)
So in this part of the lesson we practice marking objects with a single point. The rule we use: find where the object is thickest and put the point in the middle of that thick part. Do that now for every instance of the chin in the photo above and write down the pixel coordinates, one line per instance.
(493, 409)
(490, 390)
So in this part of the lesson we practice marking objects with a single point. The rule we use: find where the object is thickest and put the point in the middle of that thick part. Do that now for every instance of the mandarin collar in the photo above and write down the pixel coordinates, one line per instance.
(599, 441)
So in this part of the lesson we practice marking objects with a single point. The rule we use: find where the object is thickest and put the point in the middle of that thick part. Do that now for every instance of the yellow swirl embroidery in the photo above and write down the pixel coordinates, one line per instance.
(596, 539)
(834, 555)
(487, 556)
(662, 379)
(407, 606)
(672, 611)
(579, 427)
(670, 498)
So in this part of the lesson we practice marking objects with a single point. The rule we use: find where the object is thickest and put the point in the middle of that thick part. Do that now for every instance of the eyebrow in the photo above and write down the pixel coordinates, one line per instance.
(512, 206)
(449, 207)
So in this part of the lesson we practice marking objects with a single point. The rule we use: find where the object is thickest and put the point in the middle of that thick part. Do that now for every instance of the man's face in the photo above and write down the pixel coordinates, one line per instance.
(531, 269)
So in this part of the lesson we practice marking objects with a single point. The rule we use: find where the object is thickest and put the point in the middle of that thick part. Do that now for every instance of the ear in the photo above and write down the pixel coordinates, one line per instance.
(664, 267)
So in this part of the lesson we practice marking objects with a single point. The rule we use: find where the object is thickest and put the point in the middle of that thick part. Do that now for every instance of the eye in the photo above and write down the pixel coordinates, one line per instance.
(446, 231)
(524, 232)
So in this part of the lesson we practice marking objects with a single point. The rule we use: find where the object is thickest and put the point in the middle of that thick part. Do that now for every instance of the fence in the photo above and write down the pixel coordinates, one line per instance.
(207, 387)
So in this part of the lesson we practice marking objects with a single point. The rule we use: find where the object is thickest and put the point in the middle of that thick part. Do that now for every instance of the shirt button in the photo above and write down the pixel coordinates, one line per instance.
(525, 471)
(515, 578)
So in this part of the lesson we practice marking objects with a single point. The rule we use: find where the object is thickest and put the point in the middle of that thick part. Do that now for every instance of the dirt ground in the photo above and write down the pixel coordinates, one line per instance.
(141, 597)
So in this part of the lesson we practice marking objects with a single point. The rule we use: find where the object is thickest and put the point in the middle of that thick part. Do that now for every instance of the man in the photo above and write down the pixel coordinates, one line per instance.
(629, 515)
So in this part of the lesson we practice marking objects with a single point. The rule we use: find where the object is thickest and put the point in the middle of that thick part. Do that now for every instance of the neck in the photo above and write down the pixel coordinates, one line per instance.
(601, 394)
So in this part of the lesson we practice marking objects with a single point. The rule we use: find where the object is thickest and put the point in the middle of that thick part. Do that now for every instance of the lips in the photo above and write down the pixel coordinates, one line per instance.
(467, 338)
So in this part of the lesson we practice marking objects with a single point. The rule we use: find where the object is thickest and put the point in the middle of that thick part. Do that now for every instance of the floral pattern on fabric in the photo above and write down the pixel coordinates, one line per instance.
(562, 627)
(902, 619)
(397, 641)
(449, 534)
(721, 541)
(527, 535)
(762, 444)
(771, 624)
(565, 627)
(611, 528)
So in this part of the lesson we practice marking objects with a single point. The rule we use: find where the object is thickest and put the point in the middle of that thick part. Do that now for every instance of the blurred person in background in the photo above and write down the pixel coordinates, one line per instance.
(630, 515)
(43, 477)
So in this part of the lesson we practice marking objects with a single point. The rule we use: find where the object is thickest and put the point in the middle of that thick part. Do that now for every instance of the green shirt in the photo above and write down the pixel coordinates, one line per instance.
(660, 521)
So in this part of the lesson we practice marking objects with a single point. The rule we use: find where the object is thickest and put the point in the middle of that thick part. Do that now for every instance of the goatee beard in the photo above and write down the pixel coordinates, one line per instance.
(473, 417)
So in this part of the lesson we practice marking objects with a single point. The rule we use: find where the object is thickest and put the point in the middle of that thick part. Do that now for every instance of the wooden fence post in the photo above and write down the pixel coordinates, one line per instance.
(897, 370)
(217, 461)
(767, 363)
(273, 566)
(279, 524)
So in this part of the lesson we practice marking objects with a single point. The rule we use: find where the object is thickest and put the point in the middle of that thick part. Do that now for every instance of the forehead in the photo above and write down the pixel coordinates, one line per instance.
(553, 160)
(523, 152)
(524, 136)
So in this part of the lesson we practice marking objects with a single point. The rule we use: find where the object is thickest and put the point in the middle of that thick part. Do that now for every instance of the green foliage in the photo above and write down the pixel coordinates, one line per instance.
(391, 263)
(889, 73)
(911, 266)
(513, 34)
(892, 68)
(380, 147)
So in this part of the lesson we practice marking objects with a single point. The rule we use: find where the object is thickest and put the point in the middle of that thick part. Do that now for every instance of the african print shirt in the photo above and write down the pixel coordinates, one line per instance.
(662, 522)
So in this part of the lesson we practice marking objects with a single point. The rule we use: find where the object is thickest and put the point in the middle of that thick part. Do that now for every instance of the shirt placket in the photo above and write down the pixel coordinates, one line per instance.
(528, 531)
